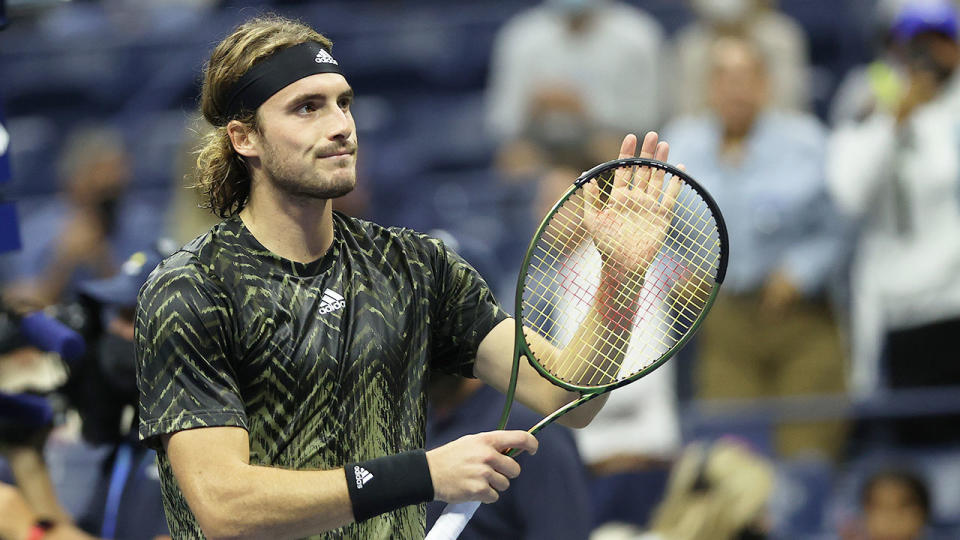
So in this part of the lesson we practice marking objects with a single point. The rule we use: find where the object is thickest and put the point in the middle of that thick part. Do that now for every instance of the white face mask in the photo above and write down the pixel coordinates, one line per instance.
(722, 11)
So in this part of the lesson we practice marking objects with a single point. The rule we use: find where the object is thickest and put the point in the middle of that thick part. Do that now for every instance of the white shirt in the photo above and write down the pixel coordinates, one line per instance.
(904, 187)
(641, 417)
(613, 65)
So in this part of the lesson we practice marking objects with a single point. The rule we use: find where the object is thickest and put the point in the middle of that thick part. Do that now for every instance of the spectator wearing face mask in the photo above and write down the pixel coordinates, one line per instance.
(571, 70)
(781, 40)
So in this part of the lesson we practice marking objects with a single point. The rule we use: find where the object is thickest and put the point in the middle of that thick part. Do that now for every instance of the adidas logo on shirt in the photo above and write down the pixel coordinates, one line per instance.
(362, 475)
(331, 301)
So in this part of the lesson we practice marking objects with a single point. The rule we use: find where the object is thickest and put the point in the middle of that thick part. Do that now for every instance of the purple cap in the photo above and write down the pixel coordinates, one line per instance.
(919, 16)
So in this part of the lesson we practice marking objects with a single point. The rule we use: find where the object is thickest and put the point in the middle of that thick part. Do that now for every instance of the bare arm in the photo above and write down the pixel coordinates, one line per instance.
(233, 499)
(493, 366)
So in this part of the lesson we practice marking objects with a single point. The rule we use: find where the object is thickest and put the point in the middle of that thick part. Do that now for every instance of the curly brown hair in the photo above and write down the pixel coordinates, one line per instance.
(222, 175)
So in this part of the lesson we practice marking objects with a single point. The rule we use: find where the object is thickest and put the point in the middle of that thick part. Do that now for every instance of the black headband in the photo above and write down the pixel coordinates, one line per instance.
(269, 76)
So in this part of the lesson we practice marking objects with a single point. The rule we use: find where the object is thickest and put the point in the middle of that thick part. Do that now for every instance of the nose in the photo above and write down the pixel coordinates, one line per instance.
(342, 126)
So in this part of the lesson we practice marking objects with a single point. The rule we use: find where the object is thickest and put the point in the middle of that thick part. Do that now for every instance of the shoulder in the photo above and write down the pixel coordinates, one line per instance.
(180, 279)
(360, 233)
(633, 22)
(526, 27)
(778, 26)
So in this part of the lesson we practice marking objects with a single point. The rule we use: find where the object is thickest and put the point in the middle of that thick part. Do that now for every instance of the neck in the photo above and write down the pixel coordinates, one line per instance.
(299, 229)
(733, 142)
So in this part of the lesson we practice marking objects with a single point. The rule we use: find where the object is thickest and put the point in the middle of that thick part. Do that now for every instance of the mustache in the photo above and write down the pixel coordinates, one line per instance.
(336, 149)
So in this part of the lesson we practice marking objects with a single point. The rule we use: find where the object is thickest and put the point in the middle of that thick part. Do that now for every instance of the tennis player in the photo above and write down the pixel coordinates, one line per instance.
(283, 356)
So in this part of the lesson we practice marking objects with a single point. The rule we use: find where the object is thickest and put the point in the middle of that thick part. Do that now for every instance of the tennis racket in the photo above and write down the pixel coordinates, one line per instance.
(616, 280)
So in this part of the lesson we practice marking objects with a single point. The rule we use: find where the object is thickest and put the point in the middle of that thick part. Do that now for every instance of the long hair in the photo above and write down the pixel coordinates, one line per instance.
(222, 175)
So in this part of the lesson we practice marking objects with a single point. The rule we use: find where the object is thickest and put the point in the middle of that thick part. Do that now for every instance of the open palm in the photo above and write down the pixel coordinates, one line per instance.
(629, 228)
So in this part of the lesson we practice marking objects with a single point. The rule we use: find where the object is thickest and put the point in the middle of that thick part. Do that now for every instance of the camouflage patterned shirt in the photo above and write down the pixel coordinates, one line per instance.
(322, 363)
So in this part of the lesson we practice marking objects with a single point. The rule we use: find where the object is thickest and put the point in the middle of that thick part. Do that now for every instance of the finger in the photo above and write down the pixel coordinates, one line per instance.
(647, 150)
(649, 144)
(505, 465)
(673, 190)
(489, 496)
(627, 149)
(655, 186)
(519, 440)
(590, 196)
(498, 481)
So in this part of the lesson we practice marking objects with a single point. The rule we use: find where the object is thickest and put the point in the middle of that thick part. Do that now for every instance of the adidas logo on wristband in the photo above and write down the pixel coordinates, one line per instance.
(362, 475)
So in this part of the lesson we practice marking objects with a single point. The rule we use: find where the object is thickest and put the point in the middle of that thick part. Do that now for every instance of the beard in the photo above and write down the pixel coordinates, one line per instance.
(308, 182)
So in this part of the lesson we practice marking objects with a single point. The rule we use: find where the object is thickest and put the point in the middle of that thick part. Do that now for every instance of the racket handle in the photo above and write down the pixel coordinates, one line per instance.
(452, 521)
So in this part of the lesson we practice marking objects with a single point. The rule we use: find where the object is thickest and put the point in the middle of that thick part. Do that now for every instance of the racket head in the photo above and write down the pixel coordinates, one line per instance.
(561, 267)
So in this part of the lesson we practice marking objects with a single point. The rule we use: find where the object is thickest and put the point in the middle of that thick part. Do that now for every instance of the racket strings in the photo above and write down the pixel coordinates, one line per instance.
(656, 307)
(564, 226)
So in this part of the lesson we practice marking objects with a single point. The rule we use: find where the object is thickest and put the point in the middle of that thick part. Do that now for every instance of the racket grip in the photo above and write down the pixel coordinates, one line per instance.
(452, 521)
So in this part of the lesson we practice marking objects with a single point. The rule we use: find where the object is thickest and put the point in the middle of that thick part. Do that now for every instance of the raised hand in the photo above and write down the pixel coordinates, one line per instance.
(630, 226)
(473, 468)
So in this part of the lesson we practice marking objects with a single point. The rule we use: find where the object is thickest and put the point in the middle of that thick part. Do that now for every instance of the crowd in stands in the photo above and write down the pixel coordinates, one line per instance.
(828, 132)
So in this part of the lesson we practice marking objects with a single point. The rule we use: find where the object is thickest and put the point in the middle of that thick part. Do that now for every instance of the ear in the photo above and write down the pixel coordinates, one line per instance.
(244, 139)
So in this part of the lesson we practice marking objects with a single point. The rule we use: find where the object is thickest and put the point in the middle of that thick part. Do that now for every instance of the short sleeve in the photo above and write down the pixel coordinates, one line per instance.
(465, 311)
(184, 371)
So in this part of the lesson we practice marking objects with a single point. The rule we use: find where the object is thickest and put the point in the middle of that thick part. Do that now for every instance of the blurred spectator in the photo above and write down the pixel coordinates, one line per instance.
(898, 173)
(877, 85)
(549, 500)
(109, 396)
(106, 397)
(33, 483)
(627, 444)
(896, 506)
(19, 521)
(70, 239)
(771, 331)
(568, 67)
(107, 403)
(718, 491)
(781, 40)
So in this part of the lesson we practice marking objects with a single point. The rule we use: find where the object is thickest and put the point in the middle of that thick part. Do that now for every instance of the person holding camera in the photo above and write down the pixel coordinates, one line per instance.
(898, 173)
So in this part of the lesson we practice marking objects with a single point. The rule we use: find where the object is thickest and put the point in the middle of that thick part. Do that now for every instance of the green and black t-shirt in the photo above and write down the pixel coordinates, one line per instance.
(322, 363)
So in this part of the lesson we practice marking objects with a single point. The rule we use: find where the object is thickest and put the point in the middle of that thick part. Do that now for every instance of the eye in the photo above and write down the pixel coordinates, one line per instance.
(306, 108)
(345, 102)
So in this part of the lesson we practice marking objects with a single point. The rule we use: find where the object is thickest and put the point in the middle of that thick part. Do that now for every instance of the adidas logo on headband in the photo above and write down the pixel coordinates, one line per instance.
(323, 57)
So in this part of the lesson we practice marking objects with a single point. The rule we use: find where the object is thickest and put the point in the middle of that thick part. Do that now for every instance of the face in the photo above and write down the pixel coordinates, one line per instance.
(892, 512)
(104, 176)
(307, 141)
(738, 87)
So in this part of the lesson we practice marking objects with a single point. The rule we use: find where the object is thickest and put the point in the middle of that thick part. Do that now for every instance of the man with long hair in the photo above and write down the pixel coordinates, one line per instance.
(282, 356)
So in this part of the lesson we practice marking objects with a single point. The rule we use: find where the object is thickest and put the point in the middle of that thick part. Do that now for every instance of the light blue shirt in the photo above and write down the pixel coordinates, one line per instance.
(774, 201)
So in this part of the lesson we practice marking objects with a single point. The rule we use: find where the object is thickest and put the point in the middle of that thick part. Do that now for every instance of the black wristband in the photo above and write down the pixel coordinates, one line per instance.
(387, 483)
